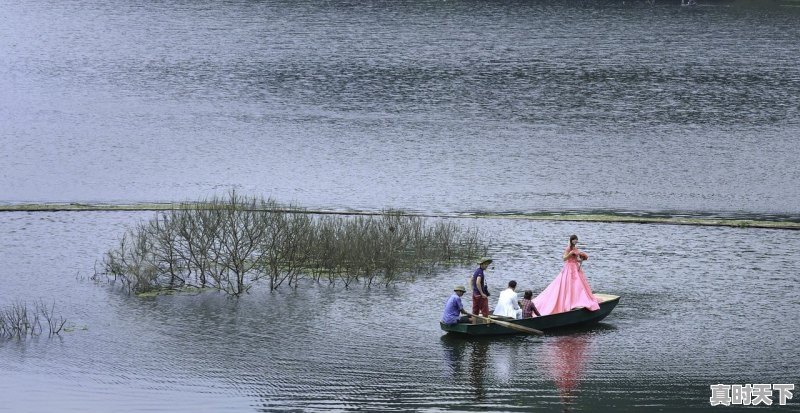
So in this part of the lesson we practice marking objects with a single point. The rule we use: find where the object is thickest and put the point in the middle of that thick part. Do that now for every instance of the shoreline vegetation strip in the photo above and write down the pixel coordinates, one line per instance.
(542, 216)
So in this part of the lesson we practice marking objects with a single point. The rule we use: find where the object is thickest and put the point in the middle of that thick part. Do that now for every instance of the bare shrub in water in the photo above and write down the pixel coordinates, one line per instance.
(20, 321)
(232, 243)
(55, 323)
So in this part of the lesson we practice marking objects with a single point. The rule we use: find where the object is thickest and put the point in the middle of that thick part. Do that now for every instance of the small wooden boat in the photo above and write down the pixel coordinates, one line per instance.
(578, 316)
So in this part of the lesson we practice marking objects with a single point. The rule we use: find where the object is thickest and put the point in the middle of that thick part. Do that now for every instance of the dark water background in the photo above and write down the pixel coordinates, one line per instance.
(443, 106)
(424, 105)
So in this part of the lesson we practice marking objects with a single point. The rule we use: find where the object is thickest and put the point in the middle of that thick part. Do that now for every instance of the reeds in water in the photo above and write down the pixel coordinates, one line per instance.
(233, 243)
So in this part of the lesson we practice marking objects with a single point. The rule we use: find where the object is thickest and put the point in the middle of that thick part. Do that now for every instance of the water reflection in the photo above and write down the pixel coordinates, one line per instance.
(453, 348)
(560, 358)
(477, 368)
(564, 359)
(473, 351)
(481, 360)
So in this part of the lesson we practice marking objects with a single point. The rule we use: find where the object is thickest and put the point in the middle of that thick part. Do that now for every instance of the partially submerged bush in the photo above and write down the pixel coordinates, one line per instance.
(232, 243)
(20, 321)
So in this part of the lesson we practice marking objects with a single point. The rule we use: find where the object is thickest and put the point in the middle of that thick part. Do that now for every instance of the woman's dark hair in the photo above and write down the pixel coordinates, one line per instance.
(528, 294)
(572, 237)
(512, 284)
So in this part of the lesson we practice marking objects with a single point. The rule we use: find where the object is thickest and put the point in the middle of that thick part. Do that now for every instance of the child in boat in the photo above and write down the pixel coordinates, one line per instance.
(527, 305)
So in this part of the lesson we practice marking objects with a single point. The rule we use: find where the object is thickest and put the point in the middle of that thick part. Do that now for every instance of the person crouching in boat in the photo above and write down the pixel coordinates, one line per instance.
(454, 308)
(508, 302)
(527, 305)
(569, 289)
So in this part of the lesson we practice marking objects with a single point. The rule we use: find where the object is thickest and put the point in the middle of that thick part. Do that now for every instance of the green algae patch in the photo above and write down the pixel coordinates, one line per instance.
(73, 328)
(190, 290)
(56, 207)
(536, 216)
(695, 221)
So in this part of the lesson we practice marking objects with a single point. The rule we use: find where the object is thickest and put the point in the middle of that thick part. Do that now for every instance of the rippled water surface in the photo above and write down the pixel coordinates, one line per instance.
(424, 105)
(443, 106)
(699, 306)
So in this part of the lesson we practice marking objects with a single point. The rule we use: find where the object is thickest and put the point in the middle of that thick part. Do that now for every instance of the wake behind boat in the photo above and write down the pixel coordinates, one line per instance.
(575, 317)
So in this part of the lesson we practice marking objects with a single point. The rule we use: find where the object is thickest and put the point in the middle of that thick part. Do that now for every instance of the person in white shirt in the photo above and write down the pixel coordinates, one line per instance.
(508, 302)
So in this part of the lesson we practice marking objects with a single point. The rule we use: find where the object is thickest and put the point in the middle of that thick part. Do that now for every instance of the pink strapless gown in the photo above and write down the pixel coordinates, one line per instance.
(569, 290)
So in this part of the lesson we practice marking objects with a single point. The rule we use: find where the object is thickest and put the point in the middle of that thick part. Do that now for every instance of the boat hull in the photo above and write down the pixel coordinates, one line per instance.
(576, 317)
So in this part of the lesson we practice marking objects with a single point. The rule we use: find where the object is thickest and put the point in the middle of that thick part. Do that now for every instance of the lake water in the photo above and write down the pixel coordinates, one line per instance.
(430, 106)
(423, 105)
(699, 306)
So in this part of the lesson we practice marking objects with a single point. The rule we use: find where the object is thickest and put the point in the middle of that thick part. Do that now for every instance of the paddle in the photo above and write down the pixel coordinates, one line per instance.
(508, 325)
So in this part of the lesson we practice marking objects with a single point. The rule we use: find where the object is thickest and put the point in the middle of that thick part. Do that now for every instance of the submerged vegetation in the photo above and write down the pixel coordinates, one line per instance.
(21, 321)
(233, 243)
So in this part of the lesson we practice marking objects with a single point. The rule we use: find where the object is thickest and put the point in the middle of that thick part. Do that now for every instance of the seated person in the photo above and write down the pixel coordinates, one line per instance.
(528, 308)
(454, 308)
(508, 303)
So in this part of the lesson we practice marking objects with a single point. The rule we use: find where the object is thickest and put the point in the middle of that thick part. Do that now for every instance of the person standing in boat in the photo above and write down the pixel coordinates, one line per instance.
(569, 289)
(480, 293)
(454, 308)
(528, 307)
(508, 302)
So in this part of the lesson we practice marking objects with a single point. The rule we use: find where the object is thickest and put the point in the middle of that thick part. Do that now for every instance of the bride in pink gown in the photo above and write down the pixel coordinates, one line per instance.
(570, 289)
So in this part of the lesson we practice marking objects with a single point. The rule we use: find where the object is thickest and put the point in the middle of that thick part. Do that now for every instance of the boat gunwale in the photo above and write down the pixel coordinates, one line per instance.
(607, 303)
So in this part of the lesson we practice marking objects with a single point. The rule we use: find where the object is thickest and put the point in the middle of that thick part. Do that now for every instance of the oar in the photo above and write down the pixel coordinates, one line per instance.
(509, 325)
